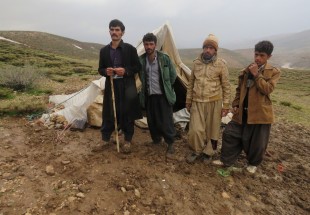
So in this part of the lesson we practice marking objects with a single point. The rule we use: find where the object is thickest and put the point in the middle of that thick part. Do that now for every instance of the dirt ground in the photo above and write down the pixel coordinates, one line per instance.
(47, 171)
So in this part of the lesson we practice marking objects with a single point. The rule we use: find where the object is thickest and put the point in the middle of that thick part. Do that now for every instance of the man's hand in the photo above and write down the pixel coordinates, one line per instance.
(235, 110)
(224, 112)
(188, 107)
(120, 71)
(110, 71)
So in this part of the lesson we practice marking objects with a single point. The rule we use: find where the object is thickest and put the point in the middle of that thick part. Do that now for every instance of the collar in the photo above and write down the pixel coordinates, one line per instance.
(120, 45)
(155, 56)
(212, 60)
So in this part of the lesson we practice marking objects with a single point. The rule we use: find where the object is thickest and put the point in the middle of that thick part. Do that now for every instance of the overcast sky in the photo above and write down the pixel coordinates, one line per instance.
(191, 20)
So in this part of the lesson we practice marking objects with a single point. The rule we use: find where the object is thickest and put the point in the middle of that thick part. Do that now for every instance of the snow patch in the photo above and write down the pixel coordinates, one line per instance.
(76, 46)
(12, 41)
(287, 66)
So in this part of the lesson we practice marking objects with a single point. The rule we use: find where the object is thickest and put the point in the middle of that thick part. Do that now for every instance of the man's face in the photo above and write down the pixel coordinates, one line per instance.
(261, 58)
(149, 47)
(208, 51)
(116, 33)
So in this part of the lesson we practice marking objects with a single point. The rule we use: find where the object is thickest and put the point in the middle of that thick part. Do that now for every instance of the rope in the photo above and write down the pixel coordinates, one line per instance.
(33, 116)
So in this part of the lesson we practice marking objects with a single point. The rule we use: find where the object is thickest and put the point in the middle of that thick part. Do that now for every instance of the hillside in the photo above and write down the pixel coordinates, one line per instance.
(234, 59)
(291, 50)
(291, 59)
(54, 44)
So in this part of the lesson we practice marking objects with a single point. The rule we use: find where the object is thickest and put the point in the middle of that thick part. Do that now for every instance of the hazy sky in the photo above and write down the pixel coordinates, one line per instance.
(191, 20)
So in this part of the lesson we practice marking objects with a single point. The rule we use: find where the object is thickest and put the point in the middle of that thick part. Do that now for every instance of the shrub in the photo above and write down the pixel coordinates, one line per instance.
(6, 93)
(80, 70)
(287, 104)
(19, 78)
(296, 107)
(60, 80)
(37, 92)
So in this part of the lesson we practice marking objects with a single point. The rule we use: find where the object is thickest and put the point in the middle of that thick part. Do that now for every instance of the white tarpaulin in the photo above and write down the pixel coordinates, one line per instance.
(76, 104)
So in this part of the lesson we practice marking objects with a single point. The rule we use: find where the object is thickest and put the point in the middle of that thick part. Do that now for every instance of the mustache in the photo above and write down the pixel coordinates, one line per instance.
(114, 34)
(149, 49)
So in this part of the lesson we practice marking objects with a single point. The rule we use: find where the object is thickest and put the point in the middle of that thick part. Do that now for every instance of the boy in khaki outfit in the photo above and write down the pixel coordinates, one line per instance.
(207, 100)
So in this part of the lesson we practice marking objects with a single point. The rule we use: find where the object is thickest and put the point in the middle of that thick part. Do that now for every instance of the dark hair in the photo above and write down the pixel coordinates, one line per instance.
(264, 46)
(149, 37)
(117, 23)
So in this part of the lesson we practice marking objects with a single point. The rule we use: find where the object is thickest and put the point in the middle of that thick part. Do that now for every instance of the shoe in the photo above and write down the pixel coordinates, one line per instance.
(101, 146)
(251, 169)
(217, 163)
(126, 147)
(205, 157)
(191, 158)
(170, 149)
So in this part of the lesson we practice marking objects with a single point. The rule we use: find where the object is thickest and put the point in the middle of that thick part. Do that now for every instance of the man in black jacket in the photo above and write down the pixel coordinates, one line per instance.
(119, 60)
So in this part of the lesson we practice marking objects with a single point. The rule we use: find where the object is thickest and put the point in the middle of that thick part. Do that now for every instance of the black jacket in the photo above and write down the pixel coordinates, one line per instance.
(132, 66)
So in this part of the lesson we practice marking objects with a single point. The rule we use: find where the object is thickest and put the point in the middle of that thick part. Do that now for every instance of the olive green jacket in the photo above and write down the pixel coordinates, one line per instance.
(167, 74)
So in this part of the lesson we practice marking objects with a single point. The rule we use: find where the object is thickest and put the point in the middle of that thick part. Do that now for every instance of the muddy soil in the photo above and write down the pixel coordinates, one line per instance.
(54, 172)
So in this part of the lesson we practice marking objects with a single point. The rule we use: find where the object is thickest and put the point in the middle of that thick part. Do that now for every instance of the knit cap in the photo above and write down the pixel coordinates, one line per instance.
(212, 41)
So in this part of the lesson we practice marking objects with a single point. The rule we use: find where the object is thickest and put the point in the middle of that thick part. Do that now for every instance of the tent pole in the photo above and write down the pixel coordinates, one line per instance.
(115, 118)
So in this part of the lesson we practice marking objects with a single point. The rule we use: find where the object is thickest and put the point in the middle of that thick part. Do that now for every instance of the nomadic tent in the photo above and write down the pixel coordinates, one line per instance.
(77, 104)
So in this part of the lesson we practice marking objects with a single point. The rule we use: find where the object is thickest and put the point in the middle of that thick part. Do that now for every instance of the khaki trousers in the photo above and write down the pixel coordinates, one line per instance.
(204, 125)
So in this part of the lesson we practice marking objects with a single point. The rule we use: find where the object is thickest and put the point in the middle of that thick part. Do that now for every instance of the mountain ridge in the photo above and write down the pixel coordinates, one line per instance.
(291, 50)
(54, 43)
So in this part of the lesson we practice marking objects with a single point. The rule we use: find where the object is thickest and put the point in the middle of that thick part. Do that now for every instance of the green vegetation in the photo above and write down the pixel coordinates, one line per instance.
(23, 104)
(28, 75)
(19, 78)
(6, 93)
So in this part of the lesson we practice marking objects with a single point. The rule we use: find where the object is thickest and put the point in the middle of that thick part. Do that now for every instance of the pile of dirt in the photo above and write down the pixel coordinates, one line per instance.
(48, 171)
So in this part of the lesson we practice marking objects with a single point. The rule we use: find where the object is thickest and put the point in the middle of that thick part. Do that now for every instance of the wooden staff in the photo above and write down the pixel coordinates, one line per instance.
(115, 117)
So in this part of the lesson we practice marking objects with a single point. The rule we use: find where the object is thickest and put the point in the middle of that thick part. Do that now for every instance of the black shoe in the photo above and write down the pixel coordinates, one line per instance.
(192, 157)
(170, 149)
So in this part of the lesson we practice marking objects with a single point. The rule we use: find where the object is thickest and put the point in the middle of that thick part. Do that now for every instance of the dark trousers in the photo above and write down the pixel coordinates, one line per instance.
(159, 115)
(253, 139)
(123, 121)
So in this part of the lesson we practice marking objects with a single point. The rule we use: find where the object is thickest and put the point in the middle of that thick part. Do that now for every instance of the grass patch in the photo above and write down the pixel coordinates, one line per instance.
(38, 92)
(84, 78)
(80, 70)
(23, 104)
(6, 93)
(60, 80)
(287, 104)
(296, 107)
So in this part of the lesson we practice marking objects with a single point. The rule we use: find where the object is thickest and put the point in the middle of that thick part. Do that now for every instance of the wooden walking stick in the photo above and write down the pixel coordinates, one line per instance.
(115, 117)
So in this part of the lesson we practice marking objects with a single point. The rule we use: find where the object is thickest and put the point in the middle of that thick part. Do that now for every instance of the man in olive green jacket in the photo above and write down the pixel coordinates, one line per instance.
(253, 113)
(207, 99)
(157, 95)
